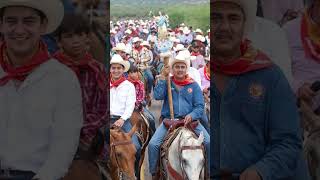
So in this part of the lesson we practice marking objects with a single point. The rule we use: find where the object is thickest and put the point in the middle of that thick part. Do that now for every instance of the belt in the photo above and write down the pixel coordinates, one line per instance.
(114, 116)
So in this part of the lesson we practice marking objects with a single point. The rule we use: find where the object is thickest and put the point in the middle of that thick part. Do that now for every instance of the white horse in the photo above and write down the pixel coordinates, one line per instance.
(186, 157)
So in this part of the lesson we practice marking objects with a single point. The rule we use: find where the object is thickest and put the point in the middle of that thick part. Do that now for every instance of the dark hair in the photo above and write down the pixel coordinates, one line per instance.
(43, 17)
(73, 23)
(133, 69)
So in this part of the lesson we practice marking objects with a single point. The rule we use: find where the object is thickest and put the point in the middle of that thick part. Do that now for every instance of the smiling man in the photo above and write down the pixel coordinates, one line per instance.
(40, 99)
(255, 124)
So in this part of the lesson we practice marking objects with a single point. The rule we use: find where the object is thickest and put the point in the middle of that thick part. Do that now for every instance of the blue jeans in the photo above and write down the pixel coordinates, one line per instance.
(149, 77)
(157, 140)
(127, 126)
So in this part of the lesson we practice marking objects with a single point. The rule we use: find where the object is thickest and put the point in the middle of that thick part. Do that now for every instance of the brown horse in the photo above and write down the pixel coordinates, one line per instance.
(143, 132)
(311, 126)
(86, 165)
(122, 154)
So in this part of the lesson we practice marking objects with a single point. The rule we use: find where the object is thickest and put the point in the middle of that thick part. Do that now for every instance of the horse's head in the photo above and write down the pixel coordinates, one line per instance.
(192, 155)
(122, 153)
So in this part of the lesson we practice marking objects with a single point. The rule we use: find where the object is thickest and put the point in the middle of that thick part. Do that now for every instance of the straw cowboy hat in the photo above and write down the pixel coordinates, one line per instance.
(120, 47)
(200, 38)
(181, 57)
(117, 59)
(250, 9)
(53, 10)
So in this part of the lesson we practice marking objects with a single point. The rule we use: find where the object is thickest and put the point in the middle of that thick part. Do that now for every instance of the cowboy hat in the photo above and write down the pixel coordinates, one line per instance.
(180, 58)
(200, 38)
(53, 10)
(120, 47)
(249, 8)
(199, 31)
(145, 43)
(128, 31)
(136, 39)
(186, 30)
(117, 59)
(180, 47)
(145, 31)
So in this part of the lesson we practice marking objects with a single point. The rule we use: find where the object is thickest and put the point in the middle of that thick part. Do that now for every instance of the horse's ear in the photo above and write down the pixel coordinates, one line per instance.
(133, 130)
(201, 137)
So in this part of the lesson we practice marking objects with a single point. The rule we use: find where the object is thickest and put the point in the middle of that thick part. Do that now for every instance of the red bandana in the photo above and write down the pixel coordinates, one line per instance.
(139, 48)
(250, 60)
(20, 73)
(206, 74)
(133, 81)
(310, 37)
(84, 64)
(188, 80)
(116, 83)
(195, 53)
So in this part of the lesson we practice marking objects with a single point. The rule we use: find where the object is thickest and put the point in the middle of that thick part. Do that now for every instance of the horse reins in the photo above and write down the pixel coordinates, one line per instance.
(121, 172)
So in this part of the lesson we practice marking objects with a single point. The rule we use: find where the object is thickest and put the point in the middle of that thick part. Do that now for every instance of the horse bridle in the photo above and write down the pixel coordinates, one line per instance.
(180, 153)
(121, 172)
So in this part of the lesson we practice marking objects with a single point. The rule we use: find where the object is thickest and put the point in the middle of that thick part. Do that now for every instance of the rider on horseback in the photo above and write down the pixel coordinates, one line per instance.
(188, 105)
(122, 100)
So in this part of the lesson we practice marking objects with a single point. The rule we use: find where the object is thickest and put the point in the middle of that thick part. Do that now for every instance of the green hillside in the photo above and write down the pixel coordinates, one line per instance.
(195, 15)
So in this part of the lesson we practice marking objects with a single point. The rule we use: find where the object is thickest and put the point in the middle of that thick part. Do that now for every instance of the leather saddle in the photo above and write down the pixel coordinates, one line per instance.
(174, 124)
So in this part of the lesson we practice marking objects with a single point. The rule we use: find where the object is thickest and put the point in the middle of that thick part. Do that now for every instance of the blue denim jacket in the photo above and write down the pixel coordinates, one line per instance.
(187, 100)
(255, 124)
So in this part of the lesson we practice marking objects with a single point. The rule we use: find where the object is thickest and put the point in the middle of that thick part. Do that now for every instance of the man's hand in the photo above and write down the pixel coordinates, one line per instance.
(119, 122)
(305, 92)
(187, 119)
(250, 174)
(165, 71)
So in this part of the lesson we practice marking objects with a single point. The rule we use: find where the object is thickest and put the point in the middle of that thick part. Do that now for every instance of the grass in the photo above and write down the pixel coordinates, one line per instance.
(197, 15)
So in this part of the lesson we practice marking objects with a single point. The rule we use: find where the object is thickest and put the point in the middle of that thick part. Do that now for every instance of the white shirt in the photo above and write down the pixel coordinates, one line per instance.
(41, 120)
(271, 39)
(122, 100)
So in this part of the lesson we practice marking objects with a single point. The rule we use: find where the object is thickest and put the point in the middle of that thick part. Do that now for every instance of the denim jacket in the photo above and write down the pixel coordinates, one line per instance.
(187, 100)
(255, 124)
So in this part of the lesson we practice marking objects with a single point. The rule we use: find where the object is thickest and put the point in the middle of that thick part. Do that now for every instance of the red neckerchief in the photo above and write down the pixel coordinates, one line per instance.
(206, 74)
(195, 54)
(84, 64)
(117, 82)
(250, 60)
(188, 80)
(20, 73)
(138, 49)
(310, 37)
(134, 81)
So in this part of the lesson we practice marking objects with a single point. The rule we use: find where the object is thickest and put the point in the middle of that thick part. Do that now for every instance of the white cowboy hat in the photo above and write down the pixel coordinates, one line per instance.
(199, 31)
(128, 31)
(145, 43)
(180, 47)
(186, 30)
(53, 10)
(182, 25)
(136, 39)
(145, 31)
(200, 38)
(181, 57)
(120, 47)
(250, 9)
(117, 59)
(112, 31)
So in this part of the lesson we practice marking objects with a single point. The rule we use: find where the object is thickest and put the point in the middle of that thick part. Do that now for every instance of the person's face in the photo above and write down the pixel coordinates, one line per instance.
(179, 70)
(196, 49)
(228, 27)
(116, 71)
(74, 45)
(122, 54)
(137, 44)
(21, 28)
(134, 75)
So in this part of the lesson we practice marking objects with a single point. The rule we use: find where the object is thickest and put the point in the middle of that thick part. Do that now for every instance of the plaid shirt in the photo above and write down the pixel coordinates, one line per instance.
(94, 104)
(140, 94)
